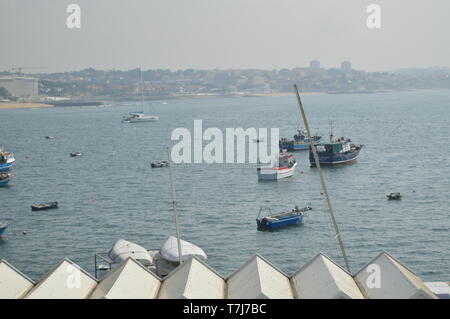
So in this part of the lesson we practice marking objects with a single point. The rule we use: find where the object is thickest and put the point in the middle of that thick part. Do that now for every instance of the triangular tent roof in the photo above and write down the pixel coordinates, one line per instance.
(193, 280)
(387, 278)
(258, 279)
(13, 284)
(130, 280)
(66, 281)
(322, 278)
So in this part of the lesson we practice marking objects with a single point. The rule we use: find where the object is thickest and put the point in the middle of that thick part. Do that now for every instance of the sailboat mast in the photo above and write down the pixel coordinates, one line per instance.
(174, 205)
(322, 180)
(142, 89)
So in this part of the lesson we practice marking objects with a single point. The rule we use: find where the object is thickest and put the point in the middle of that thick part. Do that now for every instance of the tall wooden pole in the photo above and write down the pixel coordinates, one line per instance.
(322, 180)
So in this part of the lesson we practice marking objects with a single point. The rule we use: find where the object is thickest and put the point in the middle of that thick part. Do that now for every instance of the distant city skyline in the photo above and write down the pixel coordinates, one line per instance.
(204, 35)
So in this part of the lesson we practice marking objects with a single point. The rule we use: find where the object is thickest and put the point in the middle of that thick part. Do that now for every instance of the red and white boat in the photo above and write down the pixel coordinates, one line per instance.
(284, 167)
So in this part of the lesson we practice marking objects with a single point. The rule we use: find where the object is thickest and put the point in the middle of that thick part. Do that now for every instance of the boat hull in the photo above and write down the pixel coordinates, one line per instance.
(45, 206)
(334, 158)
(273, 174)
(141, 120)
(282, 222)
(6, 167)
(3, 228)
(292, 145)
(4, 182)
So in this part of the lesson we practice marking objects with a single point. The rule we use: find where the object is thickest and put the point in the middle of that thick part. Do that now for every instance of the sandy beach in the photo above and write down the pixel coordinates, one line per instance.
(288, 93)
(22, 105)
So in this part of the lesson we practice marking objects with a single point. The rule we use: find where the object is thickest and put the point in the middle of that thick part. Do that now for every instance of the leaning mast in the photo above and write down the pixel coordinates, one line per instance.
(322, 181)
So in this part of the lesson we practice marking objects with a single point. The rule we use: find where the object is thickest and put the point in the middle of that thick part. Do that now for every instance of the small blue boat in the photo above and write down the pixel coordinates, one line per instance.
(337, 151)
(7, 161)
(5, 178)
(3, 227)
(299, 143)
(293, 217)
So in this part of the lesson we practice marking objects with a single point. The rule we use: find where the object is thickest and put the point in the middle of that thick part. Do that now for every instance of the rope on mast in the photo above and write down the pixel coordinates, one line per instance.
(174, 205)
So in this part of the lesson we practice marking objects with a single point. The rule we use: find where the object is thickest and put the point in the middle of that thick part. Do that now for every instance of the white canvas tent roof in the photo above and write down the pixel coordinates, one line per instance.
(385, 277)
(66, 281)
(124, 249)
(13, 284)
(130, 280)
(321, 278)
(193, 280)
(259, 279)
(169, 250)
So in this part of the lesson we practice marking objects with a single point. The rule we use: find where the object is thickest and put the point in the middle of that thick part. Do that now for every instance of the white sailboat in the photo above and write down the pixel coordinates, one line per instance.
(138, 117)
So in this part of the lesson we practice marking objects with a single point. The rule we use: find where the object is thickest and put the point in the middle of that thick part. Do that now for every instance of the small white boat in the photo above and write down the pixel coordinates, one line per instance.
(169, 250)
(123, 249)
(284, 167)
(138, 117)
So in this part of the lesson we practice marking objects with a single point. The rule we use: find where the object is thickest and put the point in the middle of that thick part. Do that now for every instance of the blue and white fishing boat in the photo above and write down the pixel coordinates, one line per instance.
(281, 220)
(5, 179)
(337, 151)
(7, 161)
(300, 141)
(3, 226)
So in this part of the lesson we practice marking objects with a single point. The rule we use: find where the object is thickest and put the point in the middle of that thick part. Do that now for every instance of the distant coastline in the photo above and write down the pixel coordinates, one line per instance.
(12, 105)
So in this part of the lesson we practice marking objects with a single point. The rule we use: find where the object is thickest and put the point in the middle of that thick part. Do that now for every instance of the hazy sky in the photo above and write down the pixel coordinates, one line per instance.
(223, 34)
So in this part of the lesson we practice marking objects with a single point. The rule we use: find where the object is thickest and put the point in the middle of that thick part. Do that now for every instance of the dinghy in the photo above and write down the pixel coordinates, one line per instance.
(169, 250)
(124, 249)
(44, 206)
(394, 196)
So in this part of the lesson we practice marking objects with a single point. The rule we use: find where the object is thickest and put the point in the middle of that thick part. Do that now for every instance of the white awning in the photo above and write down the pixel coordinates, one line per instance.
(169, 250)
(124, 249)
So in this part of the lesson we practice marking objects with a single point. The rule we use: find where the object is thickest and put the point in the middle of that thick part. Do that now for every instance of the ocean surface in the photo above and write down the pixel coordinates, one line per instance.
(111, 192)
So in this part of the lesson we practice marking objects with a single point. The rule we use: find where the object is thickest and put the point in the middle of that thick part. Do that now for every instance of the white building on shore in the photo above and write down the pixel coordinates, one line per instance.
(21, 87)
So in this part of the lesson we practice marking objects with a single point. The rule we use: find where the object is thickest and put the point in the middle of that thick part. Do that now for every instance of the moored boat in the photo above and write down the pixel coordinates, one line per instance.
(284, 167)
(337, 151)
(74, 154)
(44, 206)
(7, 161)
(138, 117)
(300, 141)
(282, 219)
(5, 179)
(394, 196)
(160, 164)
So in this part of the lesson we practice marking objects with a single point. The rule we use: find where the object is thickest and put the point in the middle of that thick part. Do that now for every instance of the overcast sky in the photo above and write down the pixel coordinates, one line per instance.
(223, 34)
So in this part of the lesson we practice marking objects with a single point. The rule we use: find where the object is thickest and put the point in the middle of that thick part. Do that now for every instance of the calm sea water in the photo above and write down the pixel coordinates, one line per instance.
(111, 192)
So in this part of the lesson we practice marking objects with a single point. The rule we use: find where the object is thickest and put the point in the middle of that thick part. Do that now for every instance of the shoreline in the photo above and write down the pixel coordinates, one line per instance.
(23, 105)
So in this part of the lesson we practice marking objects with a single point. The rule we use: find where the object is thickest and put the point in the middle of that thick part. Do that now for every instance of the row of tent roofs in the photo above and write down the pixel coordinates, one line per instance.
(321, 278)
